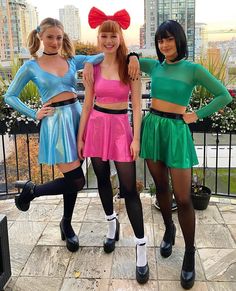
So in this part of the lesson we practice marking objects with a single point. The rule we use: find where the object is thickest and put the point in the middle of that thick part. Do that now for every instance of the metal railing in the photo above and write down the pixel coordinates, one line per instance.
(216, 151)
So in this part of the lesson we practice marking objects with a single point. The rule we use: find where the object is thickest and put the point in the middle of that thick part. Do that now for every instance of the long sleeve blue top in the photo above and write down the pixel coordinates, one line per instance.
(48, 84)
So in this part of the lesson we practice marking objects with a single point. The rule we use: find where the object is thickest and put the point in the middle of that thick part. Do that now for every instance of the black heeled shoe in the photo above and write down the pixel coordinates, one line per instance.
(167, 242)
(142, 273)
(187, 277)
(109, 243)
(72, 243)
(23, 200)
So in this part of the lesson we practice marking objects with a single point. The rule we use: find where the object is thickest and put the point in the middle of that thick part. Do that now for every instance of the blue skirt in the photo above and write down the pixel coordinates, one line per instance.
(58, 135)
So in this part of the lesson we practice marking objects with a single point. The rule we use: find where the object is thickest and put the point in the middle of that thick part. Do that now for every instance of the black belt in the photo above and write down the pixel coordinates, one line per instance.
(166, 114)
(110, 111)
(64, 102)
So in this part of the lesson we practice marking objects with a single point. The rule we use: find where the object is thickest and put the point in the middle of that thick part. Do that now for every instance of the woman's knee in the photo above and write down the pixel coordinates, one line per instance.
(183, 201)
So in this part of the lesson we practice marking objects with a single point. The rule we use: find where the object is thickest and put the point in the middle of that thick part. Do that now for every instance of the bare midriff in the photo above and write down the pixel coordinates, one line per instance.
(119, 105)
(166, 106)
(62, 97)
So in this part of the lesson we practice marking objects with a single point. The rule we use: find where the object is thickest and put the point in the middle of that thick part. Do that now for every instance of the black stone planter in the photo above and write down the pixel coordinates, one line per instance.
(201, 198)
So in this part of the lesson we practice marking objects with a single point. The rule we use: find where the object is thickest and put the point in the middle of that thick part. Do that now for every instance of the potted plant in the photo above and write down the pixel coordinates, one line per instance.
(152, 191)
(200, 194)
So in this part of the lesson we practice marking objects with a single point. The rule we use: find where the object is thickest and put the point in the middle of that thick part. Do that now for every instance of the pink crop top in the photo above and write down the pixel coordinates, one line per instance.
(109, 91)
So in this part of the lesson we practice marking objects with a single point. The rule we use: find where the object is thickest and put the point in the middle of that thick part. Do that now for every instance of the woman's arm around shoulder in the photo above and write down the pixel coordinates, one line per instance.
(80, 60)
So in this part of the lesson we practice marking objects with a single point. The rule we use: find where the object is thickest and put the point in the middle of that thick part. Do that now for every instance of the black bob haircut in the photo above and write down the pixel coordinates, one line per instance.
(172, 28)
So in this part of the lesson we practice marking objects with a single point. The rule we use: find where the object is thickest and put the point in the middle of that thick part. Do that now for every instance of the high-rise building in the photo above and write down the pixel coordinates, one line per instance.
(201, 40)
(69, 16)
(157, 11)
(142, 37)
(15, 18)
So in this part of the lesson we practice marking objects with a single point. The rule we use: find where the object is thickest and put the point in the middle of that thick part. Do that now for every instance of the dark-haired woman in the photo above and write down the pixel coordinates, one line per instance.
(166, 142)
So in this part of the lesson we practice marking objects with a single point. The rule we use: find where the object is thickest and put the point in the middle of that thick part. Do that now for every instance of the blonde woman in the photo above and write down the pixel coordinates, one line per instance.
(54, 75)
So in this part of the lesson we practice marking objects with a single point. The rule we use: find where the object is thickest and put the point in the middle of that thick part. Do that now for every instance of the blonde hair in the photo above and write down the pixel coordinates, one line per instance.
(34, 40)
(113, 27)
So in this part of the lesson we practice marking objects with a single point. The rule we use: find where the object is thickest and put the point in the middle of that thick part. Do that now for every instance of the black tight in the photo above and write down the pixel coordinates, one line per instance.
(72, 182)
(181, 183)
(127, 180)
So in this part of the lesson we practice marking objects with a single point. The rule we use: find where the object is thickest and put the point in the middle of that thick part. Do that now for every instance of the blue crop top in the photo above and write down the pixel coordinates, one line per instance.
(48, 84)
(175, 82)
(109, 91)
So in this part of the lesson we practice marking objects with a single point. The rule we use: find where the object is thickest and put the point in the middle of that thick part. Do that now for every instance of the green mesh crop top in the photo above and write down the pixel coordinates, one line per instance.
(175, 82)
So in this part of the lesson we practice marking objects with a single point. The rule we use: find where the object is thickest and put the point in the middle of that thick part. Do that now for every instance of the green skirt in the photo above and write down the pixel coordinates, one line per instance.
(167, 140)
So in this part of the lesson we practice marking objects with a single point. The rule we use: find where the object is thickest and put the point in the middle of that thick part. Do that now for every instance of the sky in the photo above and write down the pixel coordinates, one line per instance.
(212, 12)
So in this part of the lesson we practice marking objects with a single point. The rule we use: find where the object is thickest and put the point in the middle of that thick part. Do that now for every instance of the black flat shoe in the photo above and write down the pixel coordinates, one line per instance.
(109, 243)
(168, 242)
(142, 273)
(187, 277)
(23, 200)
(72, 243)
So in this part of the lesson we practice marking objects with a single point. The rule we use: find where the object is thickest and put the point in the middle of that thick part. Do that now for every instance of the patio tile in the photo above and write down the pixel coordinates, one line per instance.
(91, 262)
(175, 286)
(211, 215)
(85, 284)
(9, 209)
(94, 213)
(232, 229)
(217, 236)
(37, 213)
(10, 284)
(219, 264)
(124, 263)
(169, 268)
(228, 212)
(19, 254)
(78, 214)
(92, 234)
(37, 284)
(51, 235)
(47, 261)
(221, 286)
(131, 285)
(25, 232)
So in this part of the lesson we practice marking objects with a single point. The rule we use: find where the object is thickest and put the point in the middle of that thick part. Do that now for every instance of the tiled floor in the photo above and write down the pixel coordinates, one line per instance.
(41, 262)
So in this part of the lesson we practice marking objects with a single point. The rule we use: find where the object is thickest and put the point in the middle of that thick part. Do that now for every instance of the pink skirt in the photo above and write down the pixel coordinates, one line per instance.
(108, 136)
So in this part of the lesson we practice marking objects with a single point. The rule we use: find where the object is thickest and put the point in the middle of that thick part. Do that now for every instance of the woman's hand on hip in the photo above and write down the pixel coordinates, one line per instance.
(190, 117)
(46, 110)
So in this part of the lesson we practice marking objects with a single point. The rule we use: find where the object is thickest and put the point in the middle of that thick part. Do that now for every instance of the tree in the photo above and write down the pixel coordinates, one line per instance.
(85, 49)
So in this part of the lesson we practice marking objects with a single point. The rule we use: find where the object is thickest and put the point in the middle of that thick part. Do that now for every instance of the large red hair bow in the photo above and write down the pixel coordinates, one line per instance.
(96, 17)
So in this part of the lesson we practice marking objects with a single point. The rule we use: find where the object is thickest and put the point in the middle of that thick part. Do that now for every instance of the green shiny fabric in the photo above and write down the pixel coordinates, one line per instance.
(168, 140)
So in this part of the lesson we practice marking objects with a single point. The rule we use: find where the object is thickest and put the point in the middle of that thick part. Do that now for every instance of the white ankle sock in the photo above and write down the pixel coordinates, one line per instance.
(111, 225)
(141, 251)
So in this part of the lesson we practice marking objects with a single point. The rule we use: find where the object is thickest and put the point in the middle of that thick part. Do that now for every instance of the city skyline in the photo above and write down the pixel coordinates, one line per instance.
(221, 18)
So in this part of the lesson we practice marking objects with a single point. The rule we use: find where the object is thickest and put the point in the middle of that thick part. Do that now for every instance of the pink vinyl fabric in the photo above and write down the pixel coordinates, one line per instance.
(108, 136)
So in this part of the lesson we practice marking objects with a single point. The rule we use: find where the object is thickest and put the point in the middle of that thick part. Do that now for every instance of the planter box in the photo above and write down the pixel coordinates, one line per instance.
(201, 199)
(5, 267)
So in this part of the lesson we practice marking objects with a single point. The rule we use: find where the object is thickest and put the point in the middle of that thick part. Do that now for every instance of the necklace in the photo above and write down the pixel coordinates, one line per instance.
(52, 54)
